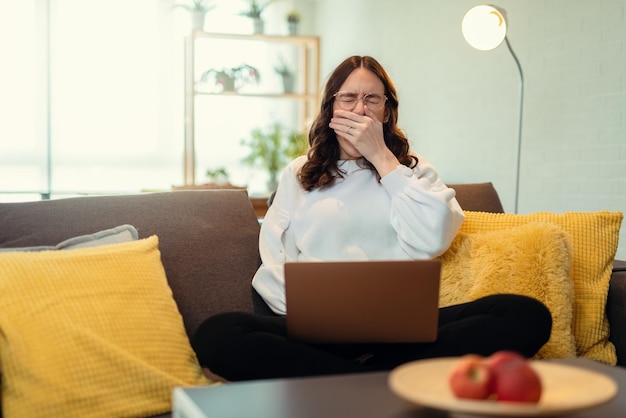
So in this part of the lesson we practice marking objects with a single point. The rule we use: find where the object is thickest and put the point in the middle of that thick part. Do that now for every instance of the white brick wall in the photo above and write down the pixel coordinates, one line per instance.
(460, 106)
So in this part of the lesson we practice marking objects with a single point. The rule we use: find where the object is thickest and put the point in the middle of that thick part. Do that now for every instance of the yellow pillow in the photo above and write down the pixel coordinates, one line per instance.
(91, 332)
(532, 260)
(594, 243)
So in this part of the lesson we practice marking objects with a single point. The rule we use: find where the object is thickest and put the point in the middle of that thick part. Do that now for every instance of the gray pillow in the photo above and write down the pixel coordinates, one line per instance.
(119, 234)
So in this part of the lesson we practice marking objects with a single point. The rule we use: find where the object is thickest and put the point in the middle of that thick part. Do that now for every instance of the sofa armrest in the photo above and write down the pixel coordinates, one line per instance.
(616, 310)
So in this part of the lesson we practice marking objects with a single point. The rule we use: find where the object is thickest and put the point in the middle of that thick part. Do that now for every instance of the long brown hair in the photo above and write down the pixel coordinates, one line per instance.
(321, 169)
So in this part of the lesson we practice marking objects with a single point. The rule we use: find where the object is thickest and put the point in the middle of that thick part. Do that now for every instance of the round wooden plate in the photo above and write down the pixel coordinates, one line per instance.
(565, 389)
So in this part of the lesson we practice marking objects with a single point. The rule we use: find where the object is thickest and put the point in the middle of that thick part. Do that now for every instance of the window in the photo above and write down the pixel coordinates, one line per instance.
(90, 103)
(23, 115)
(93, 95)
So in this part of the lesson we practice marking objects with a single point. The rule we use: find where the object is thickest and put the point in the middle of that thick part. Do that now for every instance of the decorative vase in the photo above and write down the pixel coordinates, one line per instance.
(259, 25)
(272, 183)
(228, 84)
(289, 81)
(197, 19)
(293, 28)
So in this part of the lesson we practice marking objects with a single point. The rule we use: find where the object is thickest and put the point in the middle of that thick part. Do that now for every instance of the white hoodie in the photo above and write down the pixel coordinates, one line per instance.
(409, 214)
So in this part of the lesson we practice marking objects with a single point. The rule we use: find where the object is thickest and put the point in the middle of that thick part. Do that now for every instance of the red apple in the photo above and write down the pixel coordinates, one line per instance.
(498, 358)
(470, 378)
(515, 381)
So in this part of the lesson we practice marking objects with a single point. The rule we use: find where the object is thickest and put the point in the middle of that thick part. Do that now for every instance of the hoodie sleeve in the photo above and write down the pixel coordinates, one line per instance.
(424, 211)
(276, 246)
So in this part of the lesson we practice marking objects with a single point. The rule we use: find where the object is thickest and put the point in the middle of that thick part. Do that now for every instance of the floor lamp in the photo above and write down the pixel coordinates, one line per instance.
(484, 28)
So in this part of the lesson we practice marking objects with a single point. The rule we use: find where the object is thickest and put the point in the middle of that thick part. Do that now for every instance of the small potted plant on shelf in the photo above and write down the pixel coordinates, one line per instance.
(293, 20)
(272, 148)
(254, 12)
(217, 176)
(198, 10)
(216, 179)
(231, 79)
(287, 76)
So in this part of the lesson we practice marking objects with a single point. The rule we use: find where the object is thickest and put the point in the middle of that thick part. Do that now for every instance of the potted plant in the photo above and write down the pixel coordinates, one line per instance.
(216, 179)
(232, 79)
(293, 20)
(254, 12)
(272, 148)
(198, 10)
(217, 176)
(287, 76)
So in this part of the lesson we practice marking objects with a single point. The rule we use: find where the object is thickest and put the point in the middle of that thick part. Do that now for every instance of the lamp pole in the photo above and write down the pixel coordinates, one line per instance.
(519, 126)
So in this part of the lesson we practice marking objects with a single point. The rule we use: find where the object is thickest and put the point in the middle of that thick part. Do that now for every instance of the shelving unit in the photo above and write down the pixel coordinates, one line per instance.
(256, 50)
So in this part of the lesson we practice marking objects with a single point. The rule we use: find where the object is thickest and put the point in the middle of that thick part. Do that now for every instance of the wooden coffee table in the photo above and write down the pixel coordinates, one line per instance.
(356, 395)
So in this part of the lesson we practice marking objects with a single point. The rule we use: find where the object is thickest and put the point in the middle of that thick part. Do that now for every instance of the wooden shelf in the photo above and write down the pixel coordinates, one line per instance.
(200, 47)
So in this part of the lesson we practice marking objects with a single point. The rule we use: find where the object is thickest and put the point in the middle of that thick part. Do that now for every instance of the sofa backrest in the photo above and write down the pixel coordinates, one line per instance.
(208, 239)
(478, 197)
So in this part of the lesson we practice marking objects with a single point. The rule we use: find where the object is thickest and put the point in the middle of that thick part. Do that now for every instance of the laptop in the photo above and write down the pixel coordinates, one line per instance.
(363, 301)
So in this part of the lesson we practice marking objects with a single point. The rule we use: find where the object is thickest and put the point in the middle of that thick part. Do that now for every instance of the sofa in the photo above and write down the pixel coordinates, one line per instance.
(208, 243)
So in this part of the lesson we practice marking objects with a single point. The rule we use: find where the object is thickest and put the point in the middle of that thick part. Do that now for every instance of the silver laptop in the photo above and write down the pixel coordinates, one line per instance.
(363, 301)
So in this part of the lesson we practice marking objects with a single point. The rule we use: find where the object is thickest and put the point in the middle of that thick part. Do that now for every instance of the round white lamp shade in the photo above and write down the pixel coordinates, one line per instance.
(484, 27)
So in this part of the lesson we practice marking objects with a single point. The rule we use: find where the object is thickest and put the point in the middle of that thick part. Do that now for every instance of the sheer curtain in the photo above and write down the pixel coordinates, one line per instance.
(23, 101)
(113, 92)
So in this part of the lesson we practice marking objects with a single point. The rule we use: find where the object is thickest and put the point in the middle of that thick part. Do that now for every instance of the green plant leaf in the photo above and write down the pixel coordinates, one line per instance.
(272, 148)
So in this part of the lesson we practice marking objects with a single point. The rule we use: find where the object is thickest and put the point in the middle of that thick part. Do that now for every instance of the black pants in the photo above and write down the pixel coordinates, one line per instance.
(242, 346)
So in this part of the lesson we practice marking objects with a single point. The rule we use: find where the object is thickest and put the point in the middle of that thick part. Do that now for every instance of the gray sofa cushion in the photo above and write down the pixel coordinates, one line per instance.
(208, 239)
(119, 234)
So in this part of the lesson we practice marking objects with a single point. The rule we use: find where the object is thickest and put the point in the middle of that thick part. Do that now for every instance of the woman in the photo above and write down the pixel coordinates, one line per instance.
(359, 194)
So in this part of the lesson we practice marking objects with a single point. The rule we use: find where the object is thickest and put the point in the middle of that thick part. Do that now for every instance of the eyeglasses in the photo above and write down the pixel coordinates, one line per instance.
(348, 100)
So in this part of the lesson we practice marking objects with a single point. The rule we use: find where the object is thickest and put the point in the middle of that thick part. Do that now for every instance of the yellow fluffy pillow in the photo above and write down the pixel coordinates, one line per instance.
(594, 243)
(532, 260)
(91, 332)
